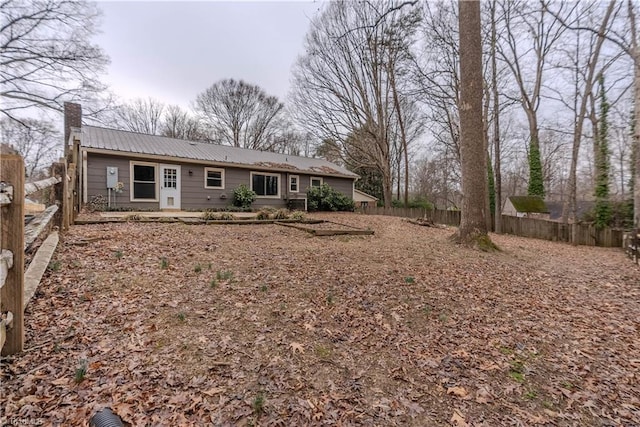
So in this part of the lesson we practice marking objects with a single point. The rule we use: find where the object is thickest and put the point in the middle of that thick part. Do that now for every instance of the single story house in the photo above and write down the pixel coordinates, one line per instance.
(363, 200)
(149, 172)
(526, 207)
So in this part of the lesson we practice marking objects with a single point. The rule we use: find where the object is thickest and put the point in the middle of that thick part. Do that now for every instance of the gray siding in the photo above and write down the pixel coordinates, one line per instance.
(194, 195)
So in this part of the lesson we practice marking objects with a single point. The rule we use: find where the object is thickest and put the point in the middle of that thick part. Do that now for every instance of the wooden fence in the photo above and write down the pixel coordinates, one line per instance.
(13, 244)
(585, 234)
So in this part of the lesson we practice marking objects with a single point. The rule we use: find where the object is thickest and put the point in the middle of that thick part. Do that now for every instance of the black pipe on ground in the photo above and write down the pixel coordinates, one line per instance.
(105, 418)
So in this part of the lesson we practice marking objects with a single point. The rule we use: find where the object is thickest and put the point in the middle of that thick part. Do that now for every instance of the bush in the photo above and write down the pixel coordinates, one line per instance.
(298, 215)
(325, 198)
(243, 196)
(281, 214)
(413, 203)
(263, 214)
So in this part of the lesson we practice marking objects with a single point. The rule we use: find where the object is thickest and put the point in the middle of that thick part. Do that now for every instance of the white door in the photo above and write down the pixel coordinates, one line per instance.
(169, 187)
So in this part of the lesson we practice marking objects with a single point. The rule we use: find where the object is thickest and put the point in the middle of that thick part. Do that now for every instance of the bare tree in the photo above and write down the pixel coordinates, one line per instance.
(37, 141)
(531, 32)
(473, 223)
(140, 115)
(342, 85)
(240, 114)
(179, 123)
(47, 57)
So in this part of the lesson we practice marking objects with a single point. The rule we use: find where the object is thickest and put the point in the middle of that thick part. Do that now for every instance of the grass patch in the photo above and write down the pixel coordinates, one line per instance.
(224, 275)
(164, 263)
(54, 265)
(81, 371)
(409, 280)
(258, 404)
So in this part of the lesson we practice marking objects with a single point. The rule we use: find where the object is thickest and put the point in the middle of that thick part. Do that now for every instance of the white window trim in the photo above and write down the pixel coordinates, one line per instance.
(207, 170)
(297, 177)
(156, 166)
(315, 177)
(266, 174)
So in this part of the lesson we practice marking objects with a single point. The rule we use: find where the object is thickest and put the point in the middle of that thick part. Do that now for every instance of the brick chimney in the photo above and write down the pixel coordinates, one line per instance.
(72, 119)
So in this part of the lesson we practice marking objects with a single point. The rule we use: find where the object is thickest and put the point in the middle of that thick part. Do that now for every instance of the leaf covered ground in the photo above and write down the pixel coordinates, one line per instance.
(174, 324)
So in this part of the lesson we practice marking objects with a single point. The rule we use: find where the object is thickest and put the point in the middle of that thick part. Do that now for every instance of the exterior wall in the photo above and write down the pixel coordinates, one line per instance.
(194, 195)
(509, 209)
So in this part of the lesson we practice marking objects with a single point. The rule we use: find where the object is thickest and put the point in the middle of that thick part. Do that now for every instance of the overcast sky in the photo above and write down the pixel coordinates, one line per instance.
(172, 51)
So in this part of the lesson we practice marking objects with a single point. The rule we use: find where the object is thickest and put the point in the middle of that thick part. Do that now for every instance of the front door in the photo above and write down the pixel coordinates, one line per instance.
(170, 187)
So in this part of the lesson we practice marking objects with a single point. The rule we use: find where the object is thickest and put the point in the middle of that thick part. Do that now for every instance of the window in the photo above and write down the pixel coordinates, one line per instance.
(143, 182)
(316, 182)
(213, 178)
(293, 183)
(265, 184)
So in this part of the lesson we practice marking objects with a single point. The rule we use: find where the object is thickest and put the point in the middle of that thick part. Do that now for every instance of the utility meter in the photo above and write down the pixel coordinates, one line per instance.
(112, 177)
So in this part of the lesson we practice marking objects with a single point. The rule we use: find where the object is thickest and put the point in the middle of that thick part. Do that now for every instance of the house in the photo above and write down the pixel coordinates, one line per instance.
(149, 172)
(363, 200)
(583, 208)
(526, 207)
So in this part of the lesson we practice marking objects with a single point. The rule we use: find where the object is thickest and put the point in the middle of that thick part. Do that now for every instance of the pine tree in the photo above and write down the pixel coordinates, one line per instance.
(603, 206)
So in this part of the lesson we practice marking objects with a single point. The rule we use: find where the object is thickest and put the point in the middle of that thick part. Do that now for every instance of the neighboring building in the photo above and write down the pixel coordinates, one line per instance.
(363, 200)
(583, 208)
(526, 207)
(151, 172)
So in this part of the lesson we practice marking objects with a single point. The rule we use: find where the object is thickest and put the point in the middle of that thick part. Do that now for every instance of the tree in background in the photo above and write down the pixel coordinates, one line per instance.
(603, 206)
(473, 223)
(37, 141)
(47, 57)
(179, 123)
(140, 115)
(349, 77)
(240, 114)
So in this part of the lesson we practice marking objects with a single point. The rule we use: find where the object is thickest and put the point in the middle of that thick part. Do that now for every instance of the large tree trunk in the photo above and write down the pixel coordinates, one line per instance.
(473, 223)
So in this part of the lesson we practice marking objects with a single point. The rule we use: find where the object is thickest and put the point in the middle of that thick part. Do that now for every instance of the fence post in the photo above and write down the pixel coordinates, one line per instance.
(12, 239)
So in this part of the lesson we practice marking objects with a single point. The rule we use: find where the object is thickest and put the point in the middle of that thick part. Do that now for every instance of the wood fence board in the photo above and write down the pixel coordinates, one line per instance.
(12, 239)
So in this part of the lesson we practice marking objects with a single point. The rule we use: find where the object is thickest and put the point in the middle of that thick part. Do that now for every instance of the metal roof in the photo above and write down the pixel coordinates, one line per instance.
(123, 142)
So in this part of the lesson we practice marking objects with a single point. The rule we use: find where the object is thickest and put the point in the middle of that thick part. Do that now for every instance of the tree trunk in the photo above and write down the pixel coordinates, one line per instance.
(636, 139)
(473, 223)
(496, 125)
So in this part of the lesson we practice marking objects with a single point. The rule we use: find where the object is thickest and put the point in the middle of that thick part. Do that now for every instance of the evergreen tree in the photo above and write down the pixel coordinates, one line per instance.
(603, 206)
(536, 184)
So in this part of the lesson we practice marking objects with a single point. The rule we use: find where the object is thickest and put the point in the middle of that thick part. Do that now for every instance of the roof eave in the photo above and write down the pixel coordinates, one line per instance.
(121, 153)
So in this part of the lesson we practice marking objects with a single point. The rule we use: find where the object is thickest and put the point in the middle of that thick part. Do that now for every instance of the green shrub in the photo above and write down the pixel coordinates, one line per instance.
(325, 198)
(243, 196)
(413, 203)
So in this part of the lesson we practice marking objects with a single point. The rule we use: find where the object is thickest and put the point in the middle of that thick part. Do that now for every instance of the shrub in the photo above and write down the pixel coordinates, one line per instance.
(243, 196)
(226, 216)
(413, 203)
(298, 215)
(209, 216)
(281, 214)
(263, 214)
(325, 198)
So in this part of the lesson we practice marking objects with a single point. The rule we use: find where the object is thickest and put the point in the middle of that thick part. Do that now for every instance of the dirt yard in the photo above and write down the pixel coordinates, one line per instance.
(174, 324)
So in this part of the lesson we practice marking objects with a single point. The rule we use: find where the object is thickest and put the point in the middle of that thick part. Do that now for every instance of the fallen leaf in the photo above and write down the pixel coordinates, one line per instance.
(457, 391)
(457, 419)
(213, 391)
(296, 347)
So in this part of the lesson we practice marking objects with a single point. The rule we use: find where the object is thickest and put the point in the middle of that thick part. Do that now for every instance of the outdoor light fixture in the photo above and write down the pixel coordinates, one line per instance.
(190, 172)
